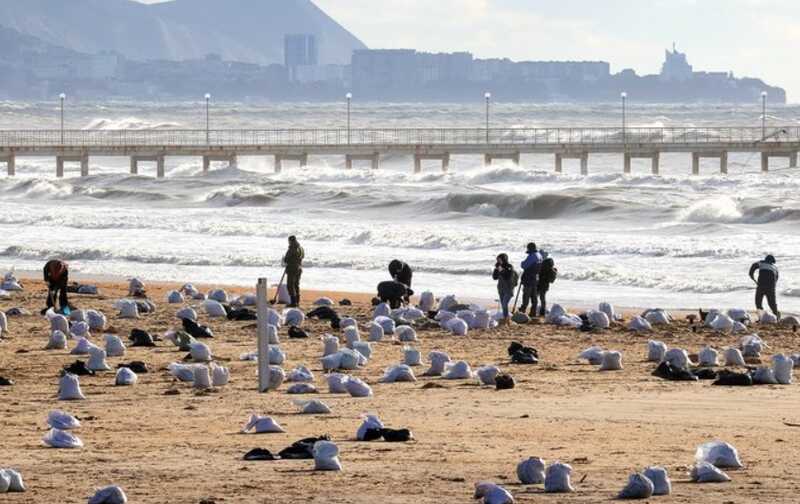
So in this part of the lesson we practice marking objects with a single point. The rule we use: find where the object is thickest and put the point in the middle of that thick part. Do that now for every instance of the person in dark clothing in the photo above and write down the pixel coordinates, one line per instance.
(392, 292)
(293, 261)
(507, 280)
(766, 283)
(530, 279)
(56, 276)
(547, 275)
(401, 272)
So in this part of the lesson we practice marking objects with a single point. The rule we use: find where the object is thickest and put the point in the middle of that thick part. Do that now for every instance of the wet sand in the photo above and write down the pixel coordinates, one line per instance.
(187, 448)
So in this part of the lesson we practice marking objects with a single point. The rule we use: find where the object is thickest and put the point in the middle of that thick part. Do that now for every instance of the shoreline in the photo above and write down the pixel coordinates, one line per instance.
(310, 295)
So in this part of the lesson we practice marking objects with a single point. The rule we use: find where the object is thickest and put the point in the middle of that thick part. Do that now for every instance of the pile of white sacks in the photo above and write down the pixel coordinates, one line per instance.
(750, 346)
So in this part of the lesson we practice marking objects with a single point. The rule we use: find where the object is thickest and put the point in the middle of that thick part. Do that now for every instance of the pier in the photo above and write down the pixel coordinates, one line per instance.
(422, 144)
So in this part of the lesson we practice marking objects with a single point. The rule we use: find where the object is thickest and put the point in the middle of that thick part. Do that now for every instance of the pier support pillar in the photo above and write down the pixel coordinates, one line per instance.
(764, 162)
(444, 158)
(302, 159)
(59, 167)
(374, 159)
(490, 157)
(721, 155)
(654, 157)
(582, 156)
(160, 167)
(134, 165)
(11, 164)
(83, 159)
(793, 160)
(85, 166)
(226, 158)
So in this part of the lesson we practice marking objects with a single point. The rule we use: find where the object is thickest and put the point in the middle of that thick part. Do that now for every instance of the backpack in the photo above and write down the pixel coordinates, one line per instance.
(514, 278)
(549, 272)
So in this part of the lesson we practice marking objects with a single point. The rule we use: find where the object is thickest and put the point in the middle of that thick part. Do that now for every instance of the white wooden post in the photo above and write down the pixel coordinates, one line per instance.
(263, 339)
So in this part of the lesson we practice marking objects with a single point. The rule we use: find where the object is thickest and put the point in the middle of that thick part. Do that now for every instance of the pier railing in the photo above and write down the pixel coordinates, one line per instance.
(399, 136)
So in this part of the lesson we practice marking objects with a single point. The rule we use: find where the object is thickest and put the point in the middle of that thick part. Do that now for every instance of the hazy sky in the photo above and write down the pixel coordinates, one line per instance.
(751, 37)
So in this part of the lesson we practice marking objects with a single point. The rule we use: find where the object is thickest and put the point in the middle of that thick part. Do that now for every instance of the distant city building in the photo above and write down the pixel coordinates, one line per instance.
(676, 67)
(384, 69)
(299, 50)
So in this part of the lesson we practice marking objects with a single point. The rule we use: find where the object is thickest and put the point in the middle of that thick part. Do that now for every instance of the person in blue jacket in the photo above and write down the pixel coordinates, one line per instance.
(530, 279)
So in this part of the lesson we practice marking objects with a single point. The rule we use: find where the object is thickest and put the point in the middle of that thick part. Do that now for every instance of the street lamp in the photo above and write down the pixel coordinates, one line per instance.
(763, 115)
(624, 97)
(62, 97)
(488, 97)
(349, 97)
(208, 134)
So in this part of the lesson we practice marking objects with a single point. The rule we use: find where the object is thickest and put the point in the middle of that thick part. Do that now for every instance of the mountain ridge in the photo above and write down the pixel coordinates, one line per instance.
(250, 31)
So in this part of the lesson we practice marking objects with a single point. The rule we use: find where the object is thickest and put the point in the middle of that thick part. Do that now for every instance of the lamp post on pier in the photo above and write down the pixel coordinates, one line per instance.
(62, 97)
(488, 97)
(624, 97)
(208, 121)
(763, 115)
(349, 98)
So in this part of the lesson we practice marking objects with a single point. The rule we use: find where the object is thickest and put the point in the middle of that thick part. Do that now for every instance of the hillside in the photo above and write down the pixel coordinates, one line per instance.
(238, 30)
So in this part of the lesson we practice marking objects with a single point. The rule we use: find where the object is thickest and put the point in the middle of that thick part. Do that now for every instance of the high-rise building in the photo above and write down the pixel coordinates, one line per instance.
(676, 67)
(299, 50)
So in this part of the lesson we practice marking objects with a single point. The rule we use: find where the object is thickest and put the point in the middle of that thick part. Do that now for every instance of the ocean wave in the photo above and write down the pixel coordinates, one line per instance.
(517, 206)
(727, 210)
(128, 123)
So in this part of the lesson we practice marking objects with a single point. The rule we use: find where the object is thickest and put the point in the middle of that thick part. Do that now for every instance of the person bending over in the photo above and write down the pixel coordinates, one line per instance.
(507, 280)
(530, 279)
(56, 276)
(401, 272)
(766, 283)
(293, 261)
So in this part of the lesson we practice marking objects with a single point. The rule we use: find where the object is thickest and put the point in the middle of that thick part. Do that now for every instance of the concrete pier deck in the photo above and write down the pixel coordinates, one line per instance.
(420, 143)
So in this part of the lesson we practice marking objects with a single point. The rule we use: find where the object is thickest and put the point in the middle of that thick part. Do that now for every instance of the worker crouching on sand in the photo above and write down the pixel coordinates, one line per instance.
(293, 262)
(507, 280)
(766, 284)
(56, 276)
(401, 272)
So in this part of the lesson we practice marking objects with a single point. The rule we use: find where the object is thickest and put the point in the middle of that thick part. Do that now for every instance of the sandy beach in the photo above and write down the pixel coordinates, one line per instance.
(186, 448)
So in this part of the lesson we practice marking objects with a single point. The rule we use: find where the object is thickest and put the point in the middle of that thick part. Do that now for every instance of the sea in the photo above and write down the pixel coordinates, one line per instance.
(638, 240)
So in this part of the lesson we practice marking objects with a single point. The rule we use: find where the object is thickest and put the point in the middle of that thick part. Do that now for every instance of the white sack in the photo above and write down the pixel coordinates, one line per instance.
(656, 350)
(487, 374)
(125, 377)
(531, 471)
(733, 357)
(262, 425)
(707, 473)
(114, 346)
(357, 388)
(326, 456)
(457, 371)
(109, 495)
(56, 438)
(783, 367)
(375, 332)
(398, 373)
(557, 478)
(661, 482)
(97, 360)
(58, 419)
(370, 422)
(612, 361)
(718, 454)
(411, 356)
